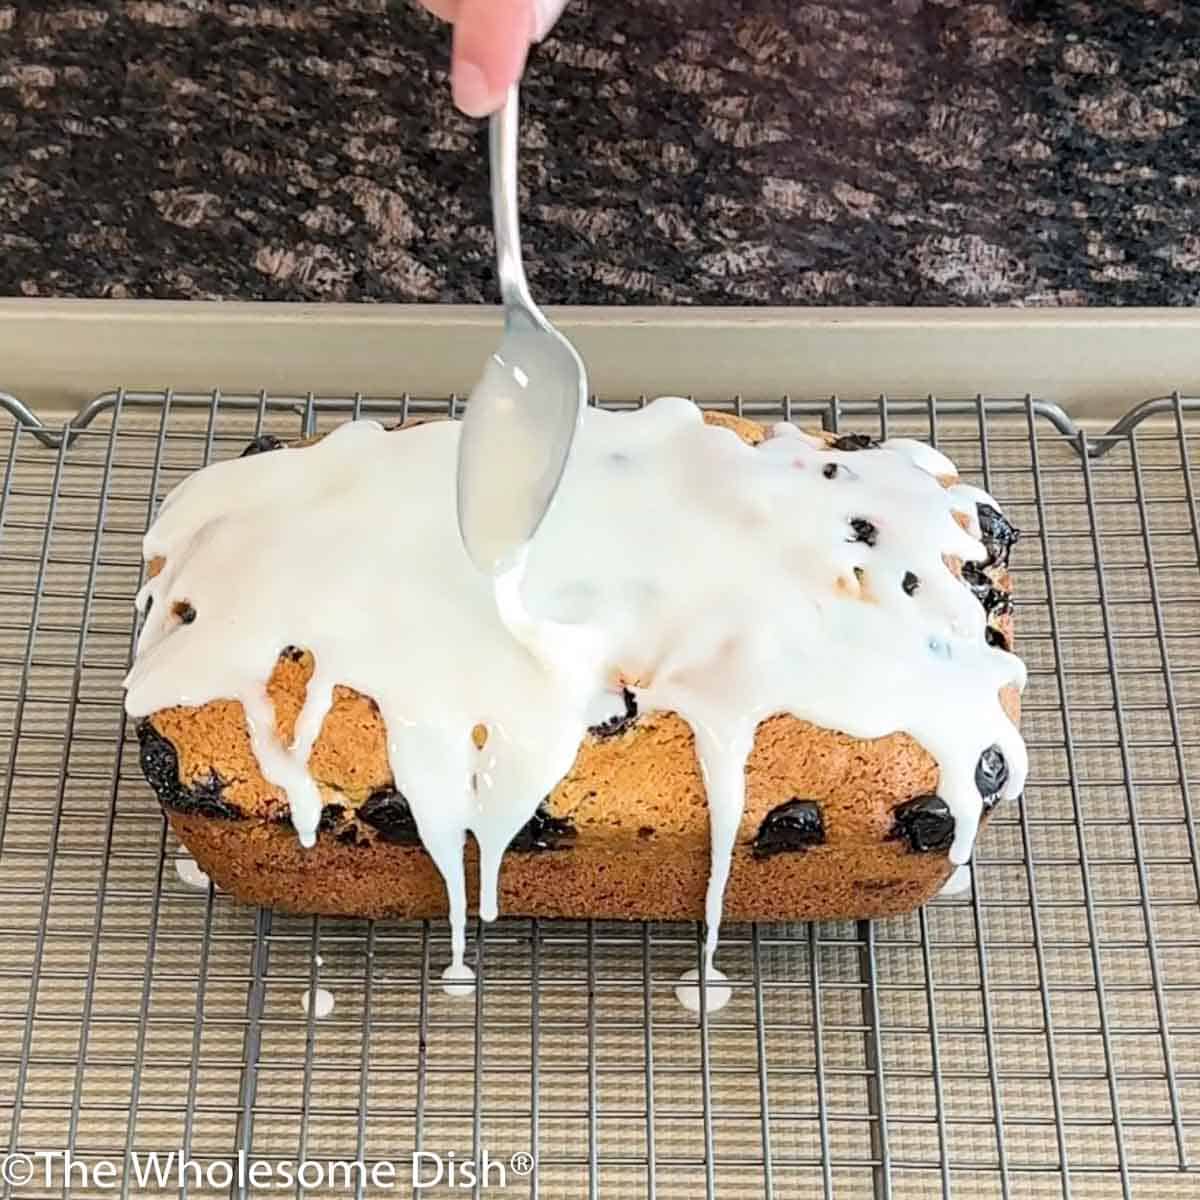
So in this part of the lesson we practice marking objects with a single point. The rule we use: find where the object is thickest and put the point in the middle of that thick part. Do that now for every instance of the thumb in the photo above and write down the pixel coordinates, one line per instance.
(491, 40)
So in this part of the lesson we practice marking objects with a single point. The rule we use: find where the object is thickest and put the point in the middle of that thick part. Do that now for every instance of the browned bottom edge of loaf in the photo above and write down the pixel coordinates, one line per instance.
(262, 863)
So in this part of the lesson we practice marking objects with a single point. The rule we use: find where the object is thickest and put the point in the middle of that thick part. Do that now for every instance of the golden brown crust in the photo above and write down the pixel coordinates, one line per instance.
(747, 430)
(633, 802)
(262, 863)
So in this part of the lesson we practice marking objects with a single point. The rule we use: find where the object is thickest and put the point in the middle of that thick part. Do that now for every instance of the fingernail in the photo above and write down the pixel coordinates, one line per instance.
(545, 16)
(471, 91)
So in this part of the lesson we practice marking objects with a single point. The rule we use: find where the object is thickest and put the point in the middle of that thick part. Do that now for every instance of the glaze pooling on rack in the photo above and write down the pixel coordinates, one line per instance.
(723, 581)
(189, 872)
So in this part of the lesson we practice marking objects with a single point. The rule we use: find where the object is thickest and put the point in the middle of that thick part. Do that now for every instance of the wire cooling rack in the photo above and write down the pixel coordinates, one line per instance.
(1038, 1037)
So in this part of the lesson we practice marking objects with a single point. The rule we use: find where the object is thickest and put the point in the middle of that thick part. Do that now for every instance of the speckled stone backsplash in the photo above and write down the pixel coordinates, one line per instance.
(742, 152)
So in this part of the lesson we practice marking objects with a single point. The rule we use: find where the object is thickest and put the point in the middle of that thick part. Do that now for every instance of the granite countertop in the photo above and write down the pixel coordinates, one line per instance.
(748, 152)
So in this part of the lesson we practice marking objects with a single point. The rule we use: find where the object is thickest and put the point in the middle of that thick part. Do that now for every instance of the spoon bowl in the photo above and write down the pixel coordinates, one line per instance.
(523, 414)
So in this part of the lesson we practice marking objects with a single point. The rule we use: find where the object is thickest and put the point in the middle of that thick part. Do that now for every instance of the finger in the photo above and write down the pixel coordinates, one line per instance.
(446, 9)
(491, 41)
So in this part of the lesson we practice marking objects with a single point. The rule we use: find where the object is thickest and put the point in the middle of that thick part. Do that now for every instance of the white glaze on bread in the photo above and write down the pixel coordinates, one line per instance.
(723, 581)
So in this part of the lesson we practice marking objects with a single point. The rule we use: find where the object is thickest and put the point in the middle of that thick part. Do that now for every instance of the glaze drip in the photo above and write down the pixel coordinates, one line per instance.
(703, 575)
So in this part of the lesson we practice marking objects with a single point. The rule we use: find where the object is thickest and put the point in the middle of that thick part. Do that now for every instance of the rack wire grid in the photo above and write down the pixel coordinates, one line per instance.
(1037, 1037)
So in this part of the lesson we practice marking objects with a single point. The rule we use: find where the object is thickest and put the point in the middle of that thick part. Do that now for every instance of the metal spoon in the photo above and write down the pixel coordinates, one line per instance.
(522, 416)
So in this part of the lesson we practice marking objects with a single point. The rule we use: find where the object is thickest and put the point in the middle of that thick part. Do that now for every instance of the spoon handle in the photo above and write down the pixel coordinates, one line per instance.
(502, 139)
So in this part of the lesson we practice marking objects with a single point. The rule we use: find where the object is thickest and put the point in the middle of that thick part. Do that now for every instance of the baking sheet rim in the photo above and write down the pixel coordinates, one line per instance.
(1096, 362)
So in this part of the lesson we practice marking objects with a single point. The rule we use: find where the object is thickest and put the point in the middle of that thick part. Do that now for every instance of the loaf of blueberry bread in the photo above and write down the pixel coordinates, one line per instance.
(743, 672)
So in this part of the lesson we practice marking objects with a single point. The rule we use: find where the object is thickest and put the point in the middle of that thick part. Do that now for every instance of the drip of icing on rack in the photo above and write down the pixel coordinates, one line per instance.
(731, 582)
